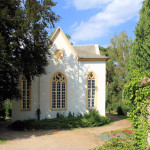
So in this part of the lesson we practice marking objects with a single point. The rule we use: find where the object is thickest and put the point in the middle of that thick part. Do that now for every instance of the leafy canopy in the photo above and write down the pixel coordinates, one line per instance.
(118, 51)
(140, 52)
(23, 37)
(139, 67)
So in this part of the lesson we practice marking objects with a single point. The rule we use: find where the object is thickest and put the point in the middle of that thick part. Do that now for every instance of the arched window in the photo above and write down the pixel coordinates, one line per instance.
(25, 94)
(58, 93)
(91, 90)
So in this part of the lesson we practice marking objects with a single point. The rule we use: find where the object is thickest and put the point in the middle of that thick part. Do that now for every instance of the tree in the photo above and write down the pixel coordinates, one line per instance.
(140, 52)
(139, 67)
(118, 51)
(9, 75)
(22, 40)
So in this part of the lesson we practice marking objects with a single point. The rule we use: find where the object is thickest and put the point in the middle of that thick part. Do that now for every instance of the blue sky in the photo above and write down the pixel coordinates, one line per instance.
(96, 21)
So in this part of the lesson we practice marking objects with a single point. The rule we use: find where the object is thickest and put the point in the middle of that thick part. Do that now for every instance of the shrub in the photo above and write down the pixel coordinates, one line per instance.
(115, 106)
(136, 95)
(60, 115)
(120, 111)
(91, 119)
(2, 110)
(116, 143)
(70, 115)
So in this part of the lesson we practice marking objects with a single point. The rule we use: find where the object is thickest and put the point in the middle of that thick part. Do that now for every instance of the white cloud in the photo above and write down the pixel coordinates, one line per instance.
(74, 25)
(115, 13)
(87, 4)
(67, 3)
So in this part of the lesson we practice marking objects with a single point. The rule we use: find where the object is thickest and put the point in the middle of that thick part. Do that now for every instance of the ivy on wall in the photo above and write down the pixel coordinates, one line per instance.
(137, 96)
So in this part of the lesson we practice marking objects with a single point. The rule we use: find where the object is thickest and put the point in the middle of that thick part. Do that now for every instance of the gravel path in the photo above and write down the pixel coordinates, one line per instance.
(76, 139)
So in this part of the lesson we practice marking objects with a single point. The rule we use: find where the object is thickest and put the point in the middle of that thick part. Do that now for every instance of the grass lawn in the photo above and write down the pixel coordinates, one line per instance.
(125, 117)
(118, 131)
(2, 141)
(121, 117)
(113, 114)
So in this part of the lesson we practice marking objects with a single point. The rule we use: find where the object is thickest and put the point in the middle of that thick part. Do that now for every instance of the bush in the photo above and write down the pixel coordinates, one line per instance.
(8, 108)
(60, 115)
(116, 143)
(120, 111)
(91, 119)
(2, 110)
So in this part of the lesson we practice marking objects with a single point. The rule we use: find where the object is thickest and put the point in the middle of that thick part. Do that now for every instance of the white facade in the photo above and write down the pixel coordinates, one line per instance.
(76, 72)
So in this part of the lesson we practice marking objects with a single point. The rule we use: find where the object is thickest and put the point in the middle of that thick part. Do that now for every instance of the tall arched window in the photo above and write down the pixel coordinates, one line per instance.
(91, 91)
(58, 91)
(25, 94)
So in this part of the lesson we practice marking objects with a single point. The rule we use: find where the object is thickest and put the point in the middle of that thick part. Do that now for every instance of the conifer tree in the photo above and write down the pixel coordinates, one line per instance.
(23, 36)
(9, 24)
(140, 52)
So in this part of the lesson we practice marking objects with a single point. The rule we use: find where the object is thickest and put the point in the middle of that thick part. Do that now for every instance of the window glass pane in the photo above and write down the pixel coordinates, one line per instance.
(91, 90)
(58, 91)
(25, 94)
(58, 94)
(92, 102)
(89, 100)
(28, 103)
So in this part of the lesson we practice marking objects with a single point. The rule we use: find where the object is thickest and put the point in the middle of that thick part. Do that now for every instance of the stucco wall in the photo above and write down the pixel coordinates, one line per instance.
(76, 73)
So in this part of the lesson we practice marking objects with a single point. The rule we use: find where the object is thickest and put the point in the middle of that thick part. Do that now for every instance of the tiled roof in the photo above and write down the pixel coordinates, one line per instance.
(87, 51)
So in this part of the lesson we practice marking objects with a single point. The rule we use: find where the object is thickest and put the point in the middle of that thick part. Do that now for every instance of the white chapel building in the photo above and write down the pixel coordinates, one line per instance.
(75, 82)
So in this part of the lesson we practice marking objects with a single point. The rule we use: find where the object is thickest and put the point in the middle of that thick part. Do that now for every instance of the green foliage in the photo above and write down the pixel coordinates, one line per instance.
(91, 119)
(38, 113)
(118, 51)
(136, 96)
(2, 110)
(8, 108)
(60, 115)
(23, 39)
(70, 114)
(140, 52)
(139, 66)
(9, 23)
(2, 141)
(120, 111)
(123, 109)
(117, 143)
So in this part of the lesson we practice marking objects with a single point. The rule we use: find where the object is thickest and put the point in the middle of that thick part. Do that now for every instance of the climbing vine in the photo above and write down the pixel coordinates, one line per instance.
(137, 96)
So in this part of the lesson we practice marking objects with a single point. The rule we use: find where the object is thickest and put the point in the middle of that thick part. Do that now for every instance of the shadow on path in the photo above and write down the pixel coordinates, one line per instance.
(8, 134)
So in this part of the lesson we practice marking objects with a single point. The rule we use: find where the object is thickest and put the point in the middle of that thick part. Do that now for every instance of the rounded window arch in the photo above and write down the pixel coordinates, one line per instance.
(58, 91)
(91, 90)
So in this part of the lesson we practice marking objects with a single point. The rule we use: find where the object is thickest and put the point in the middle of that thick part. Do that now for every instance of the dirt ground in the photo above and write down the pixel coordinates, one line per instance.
(76, 139)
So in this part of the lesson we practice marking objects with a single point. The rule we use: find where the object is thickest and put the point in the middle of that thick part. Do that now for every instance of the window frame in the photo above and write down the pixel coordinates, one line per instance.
(66, 93)
(95, 98)
(22, 78)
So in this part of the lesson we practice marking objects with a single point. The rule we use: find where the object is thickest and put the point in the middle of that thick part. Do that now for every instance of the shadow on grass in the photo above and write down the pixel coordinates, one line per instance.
(8, 134)
(115, 117)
